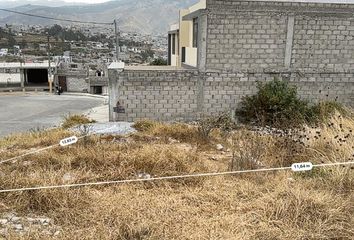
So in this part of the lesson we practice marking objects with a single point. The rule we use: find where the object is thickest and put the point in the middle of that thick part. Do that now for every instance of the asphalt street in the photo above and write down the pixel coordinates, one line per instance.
(23, 112)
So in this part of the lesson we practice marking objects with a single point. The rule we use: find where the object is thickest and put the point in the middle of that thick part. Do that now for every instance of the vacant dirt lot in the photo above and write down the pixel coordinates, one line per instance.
(279, 205)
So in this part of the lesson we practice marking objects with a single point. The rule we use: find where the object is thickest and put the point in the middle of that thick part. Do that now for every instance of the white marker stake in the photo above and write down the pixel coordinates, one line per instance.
(302, 167)
(68, 141)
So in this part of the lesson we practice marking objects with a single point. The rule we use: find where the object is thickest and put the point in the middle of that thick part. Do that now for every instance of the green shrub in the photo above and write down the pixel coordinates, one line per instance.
(276, 104)
(158, 62)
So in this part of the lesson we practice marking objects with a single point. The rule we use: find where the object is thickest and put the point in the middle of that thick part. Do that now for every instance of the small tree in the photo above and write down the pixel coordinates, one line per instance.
(276, 104)
(159, 62)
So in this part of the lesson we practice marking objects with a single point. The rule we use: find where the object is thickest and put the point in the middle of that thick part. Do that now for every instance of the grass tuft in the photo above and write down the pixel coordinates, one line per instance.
(74, 120)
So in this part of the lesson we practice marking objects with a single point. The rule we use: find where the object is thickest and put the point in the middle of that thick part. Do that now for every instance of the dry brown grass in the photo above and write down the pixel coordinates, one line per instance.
(165, 131)
(283, 205)
(74, 120)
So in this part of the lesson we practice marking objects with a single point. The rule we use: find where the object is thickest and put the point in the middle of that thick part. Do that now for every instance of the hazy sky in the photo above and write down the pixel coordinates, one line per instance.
(100, 1)
(71, 1)
(87, 1)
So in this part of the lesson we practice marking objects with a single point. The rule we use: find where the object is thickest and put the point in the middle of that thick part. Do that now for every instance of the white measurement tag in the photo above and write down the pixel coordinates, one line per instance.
(68, 141)
(302, 167)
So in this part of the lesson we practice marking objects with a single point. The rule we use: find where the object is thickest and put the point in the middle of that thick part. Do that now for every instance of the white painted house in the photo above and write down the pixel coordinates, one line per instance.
(24, 74)
(4, 51)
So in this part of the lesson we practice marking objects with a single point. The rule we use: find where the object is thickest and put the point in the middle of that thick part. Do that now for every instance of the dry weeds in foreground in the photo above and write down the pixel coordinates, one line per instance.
(284, 205)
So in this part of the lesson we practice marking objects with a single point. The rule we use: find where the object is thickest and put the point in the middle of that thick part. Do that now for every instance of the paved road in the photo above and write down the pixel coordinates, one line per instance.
(20, 112)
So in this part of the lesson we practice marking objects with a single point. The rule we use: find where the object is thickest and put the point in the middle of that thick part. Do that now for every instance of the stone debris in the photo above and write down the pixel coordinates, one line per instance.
(15, 219)
(18, 227)
(68, 177)
(220, 147)
(291, 179)
(26, 163)
(144, 176)
(11, 222)
(3, 221)
(271, 131)
(173, 141)
(111, 128)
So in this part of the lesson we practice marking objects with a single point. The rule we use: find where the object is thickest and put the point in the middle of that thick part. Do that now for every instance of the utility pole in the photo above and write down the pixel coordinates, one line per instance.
(116, 30)
(49, 68)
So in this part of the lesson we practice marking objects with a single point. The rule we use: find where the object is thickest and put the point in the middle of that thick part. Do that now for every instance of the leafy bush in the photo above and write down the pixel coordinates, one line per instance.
(276, 104)
(159, 62)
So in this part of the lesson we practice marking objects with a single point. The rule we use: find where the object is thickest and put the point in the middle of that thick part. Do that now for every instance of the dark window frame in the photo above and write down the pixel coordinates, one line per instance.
(195, 32)
(173, 44)
(183, 54)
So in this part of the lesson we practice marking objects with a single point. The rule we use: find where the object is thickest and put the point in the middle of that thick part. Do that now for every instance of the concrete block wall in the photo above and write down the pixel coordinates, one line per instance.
(77, 84)
(187, 94)
(224, 91)
(157, 94)
(309, 44)
(244, 35)
(323, 43)
(245, 41)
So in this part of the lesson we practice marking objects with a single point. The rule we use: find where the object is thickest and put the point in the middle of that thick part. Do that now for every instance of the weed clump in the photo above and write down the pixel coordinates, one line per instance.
(178, 131)
(144, 125)
(197, 133)
(222, 122)
(325, 110)
(74, 120)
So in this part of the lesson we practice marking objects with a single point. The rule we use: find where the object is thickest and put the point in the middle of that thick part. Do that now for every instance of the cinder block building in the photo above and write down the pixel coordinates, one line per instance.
(224, 47)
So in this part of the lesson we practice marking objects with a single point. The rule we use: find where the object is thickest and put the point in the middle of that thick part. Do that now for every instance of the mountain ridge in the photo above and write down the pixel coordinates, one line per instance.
(145, 16)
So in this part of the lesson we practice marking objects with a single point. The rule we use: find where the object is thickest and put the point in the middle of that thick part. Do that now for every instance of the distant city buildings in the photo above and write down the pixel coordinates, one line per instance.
(80, 60)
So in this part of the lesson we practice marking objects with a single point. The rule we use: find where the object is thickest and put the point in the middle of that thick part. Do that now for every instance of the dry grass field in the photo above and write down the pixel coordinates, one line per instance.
(277, 205)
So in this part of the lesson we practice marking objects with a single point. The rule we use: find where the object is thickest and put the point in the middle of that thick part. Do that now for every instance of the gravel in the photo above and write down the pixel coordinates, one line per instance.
(10, 222)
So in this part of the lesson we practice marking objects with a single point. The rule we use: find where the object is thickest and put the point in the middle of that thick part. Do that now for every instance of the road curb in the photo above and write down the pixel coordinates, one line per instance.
(85, 95)
(48, 94)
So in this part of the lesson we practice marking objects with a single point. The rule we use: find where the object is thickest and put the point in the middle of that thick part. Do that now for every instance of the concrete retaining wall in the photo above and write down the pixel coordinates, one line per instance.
(186, 94)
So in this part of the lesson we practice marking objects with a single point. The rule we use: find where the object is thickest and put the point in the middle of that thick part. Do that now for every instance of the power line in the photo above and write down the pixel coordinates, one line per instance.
(56, 19)
(127, 181)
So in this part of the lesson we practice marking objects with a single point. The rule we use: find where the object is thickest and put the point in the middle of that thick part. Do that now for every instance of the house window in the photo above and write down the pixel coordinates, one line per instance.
(173, 44)
(195, 32)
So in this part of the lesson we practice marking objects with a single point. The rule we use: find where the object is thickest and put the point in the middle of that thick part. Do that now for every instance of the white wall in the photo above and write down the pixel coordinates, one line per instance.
(10, 78)
(191, 56)
(174, 60)
(104, 90)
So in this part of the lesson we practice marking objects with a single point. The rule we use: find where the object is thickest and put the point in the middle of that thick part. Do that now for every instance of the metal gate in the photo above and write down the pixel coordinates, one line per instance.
(62, 83)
